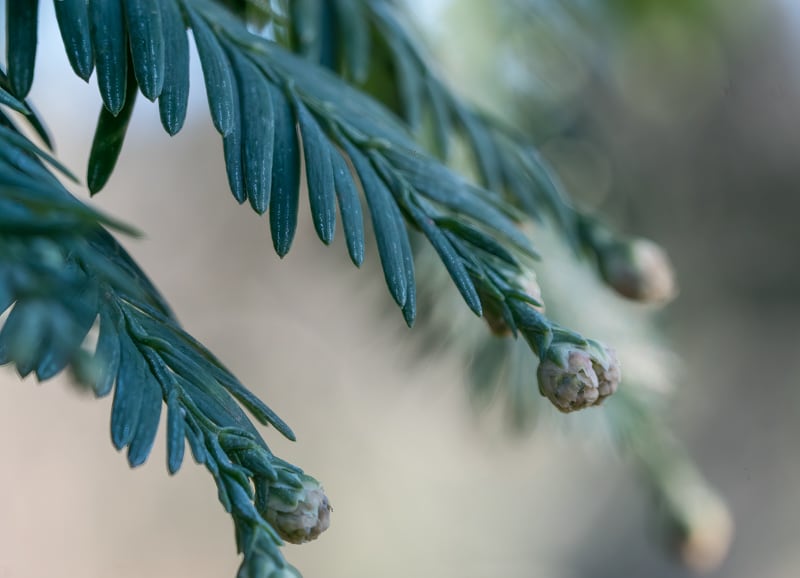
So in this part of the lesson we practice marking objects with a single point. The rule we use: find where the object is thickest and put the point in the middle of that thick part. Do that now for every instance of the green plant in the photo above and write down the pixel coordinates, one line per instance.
(342, 85)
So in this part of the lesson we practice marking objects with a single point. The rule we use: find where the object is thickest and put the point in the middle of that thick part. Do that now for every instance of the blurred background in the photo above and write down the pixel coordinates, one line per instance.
(678, 120)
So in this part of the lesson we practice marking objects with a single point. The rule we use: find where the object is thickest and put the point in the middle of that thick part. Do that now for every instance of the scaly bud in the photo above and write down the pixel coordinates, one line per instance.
(639, 270)
(574, 377)
(299, 515)
(699, 525)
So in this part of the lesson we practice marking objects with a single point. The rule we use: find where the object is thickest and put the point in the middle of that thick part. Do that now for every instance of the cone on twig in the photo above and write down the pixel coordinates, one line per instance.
(574, 377)
(639, 270)
(299, 516)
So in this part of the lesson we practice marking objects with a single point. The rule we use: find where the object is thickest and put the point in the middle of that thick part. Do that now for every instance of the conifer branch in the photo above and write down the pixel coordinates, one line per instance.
(335, 34)
(61, 275)
(275, 99)
(268, 105)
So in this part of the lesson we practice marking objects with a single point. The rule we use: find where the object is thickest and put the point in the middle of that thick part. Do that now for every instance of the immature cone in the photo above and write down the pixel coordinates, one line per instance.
(704, 544)
(639, 270)
(574, 377)
(699, 524)
(303, 518)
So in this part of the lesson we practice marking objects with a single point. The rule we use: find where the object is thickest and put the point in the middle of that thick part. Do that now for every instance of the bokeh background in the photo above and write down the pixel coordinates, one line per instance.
(678, 120)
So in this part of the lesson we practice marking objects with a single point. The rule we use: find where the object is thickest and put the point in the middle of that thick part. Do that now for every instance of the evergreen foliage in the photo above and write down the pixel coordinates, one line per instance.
(338, 84)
